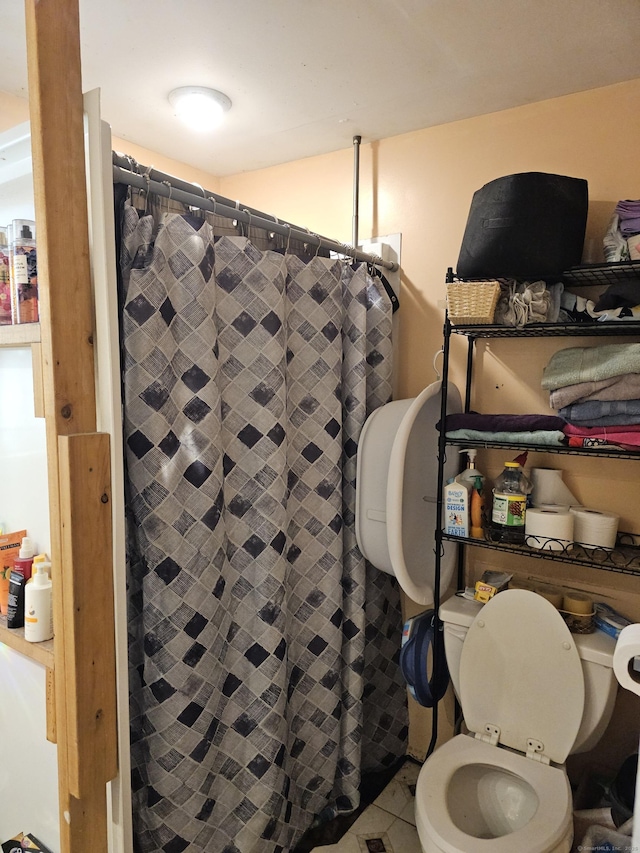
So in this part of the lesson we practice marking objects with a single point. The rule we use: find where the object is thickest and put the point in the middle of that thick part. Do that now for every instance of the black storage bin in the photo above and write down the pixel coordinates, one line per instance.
(623, 790)
(525, 226)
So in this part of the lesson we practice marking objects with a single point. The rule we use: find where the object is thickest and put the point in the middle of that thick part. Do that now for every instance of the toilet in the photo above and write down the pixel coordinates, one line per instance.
(531, 693)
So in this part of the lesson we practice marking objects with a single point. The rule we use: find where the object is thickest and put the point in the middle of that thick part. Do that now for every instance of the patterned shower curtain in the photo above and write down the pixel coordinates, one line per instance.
(263, 649)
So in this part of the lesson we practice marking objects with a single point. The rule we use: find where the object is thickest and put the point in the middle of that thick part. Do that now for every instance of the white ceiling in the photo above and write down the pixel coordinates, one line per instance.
(305, 76)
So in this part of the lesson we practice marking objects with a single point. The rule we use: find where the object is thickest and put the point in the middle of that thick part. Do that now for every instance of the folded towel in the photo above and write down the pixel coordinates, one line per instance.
(625, 387)
(629, 435)
(593, 411)
(578, 441)
(629, 213)
(541, 437)
(590, 364)
(503, 423)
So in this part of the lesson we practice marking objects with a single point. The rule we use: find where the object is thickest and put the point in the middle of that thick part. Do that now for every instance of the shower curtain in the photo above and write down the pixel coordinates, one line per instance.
(263, 649)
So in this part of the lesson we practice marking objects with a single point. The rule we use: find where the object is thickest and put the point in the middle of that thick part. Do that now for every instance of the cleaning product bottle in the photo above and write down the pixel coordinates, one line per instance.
(24, 271)
(456, 508)
(509, 504)
(476, 511)
(38, 610)
(474, 480)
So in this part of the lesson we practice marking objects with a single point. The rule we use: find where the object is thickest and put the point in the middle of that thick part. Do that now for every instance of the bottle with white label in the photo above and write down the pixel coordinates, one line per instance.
(38, 606)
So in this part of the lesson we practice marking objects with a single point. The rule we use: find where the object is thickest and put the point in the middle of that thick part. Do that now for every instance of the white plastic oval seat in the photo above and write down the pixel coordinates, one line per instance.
(442, 818)
(396, 490)
(520, 672)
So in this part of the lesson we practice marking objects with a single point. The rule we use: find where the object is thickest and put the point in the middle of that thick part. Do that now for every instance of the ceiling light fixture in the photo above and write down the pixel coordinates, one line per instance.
(198, 107)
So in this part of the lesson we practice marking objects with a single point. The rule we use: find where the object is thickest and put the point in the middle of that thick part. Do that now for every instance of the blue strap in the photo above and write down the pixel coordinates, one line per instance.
(419, 634)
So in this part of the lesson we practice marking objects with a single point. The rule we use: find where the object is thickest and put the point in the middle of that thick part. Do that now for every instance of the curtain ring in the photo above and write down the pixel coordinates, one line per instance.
(147, 191)
(169, 187)
(249, 223)
(306, 245)
(286, 251)
(204, 197)
(212, 199)
(319, 239)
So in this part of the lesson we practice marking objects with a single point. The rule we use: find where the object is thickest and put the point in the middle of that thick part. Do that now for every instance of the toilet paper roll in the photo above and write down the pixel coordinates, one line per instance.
(625, 653)
(594, 528)
(577, 612)
(549, 529)
(548, 488)
(552, 594)
(578, 604)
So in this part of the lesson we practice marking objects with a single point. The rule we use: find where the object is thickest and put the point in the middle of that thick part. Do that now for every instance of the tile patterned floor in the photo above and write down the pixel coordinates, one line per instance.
(388, 825)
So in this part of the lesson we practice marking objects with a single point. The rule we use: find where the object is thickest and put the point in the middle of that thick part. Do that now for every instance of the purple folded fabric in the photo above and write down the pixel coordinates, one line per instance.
(629, 213)
(502, 423)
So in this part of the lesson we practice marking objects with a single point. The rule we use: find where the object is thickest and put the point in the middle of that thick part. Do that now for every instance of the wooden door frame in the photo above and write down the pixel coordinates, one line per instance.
(78, 456)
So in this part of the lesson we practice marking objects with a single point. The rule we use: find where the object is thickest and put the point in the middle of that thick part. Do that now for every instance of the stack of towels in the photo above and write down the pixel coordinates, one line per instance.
(622, 240)
(596, 390)
(543, 430)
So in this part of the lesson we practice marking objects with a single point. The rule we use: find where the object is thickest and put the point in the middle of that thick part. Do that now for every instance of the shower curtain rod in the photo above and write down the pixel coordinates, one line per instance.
(161, 184)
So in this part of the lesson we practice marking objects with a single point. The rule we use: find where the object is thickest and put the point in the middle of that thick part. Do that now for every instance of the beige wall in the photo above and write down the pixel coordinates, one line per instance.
(420, 184)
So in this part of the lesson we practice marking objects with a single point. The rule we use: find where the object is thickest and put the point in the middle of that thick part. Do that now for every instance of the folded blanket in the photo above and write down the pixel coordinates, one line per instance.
(621, 421)
(629, 212)
(590, 364)
(625, 387)
(574, 429)
(621, 411)
(544, 438)
(503, 423)
(629, 435)
(578, 441)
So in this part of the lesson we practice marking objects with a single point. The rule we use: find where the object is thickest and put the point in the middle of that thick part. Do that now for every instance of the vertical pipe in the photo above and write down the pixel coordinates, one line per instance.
(437, 648)
(356, 189)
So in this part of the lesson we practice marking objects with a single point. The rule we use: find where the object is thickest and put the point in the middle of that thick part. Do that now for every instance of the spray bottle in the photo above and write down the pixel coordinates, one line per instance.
(6, 317)
(474, 480)
(24, 271)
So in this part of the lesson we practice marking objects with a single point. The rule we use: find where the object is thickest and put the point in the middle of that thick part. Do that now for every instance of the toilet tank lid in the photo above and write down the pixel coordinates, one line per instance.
(597, 647)
(459, 611)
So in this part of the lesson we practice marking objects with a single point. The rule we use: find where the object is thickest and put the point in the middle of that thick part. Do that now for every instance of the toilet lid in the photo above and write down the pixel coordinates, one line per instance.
(520, 672)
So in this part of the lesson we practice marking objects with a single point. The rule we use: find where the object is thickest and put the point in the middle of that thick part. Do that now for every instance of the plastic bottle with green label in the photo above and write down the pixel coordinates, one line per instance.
(510, 492)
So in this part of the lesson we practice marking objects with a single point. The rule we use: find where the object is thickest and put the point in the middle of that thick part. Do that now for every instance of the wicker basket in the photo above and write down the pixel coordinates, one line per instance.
(472, 303)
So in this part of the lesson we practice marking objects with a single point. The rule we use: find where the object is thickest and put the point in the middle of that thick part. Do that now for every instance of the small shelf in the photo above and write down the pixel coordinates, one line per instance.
(624, 558)
(586, 275)
(609, 328)
(14, 638)
(22, 334)
(607, 452)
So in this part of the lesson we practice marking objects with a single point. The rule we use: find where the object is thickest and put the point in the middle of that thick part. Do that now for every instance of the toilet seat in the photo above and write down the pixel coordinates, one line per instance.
(521, 678)
(522, 695)
(546, 831)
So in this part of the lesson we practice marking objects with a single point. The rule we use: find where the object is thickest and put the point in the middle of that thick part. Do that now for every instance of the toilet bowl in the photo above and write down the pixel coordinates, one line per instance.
(520, 678)
(471, 796)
